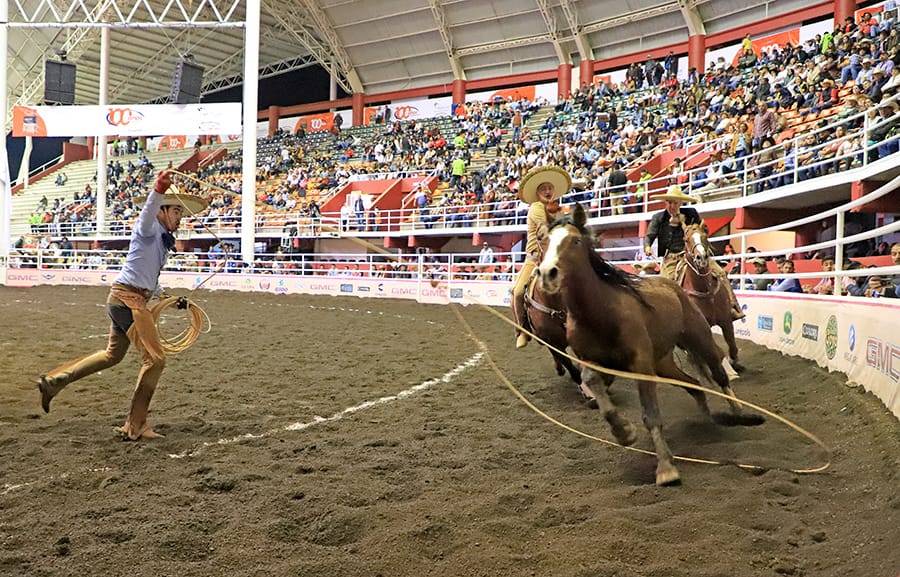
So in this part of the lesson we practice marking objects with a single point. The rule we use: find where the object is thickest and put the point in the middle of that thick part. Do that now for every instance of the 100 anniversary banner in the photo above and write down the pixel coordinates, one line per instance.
(127, 120)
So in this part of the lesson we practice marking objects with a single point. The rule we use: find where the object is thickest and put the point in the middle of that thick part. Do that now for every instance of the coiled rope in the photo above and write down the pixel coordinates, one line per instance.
(186, 338)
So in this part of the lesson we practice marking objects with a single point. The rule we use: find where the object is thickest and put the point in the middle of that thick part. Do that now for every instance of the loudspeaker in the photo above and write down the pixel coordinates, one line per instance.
(59, 82)
(186, 83)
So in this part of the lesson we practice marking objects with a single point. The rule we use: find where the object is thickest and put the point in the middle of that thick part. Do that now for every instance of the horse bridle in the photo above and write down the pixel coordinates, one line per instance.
(552, 313)
(691, 259)
(559, 316)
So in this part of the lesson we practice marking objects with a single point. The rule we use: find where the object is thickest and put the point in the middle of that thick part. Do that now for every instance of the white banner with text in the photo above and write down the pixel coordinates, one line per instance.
(128, 120)
(853, 335)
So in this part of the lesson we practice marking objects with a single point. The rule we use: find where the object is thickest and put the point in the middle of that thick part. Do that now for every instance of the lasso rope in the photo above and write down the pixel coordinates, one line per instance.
(638, 376)
(190, 335)
(186, 338)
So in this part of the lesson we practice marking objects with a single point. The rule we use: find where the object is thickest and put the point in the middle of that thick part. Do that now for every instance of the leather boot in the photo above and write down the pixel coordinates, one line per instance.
(522, 320)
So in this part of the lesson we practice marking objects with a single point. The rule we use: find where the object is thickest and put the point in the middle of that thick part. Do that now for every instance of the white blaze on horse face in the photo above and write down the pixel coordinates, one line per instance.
(551, 257)
(698, 242)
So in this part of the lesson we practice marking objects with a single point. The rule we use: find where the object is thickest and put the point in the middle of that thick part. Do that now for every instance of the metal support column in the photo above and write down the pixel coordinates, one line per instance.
(5, 184)
(248, 165)
(332, 83)
(102, 139)
(839, 253)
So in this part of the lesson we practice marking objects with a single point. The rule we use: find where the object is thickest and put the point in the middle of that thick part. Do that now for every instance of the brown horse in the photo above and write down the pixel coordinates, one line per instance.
(547, 318)
(706, 289)
(629, 323)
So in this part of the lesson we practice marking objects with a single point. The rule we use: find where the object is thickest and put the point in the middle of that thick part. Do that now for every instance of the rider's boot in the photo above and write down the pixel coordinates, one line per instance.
(521, 319)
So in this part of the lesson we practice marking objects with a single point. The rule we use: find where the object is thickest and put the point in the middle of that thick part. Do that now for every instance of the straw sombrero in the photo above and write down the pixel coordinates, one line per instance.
(555, 175)
(674, 193)
(174, 197)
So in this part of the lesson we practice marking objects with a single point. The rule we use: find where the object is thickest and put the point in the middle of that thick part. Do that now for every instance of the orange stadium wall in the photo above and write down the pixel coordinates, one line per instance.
(392, 198)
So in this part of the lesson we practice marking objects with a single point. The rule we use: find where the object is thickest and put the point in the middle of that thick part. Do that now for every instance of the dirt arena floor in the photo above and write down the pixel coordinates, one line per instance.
(457, 478)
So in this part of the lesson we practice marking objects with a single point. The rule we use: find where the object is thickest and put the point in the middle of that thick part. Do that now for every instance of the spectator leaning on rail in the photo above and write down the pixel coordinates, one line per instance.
(138, 281)
(541, 187)
(787, 285)
(666, 227)
(890, 288)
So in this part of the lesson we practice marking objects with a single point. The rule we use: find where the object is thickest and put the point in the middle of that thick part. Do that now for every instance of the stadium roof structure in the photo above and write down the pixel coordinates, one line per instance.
(372, 46)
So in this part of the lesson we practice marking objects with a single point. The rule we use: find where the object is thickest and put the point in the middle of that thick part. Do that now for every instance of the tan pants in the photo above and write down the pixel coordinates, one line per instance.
(519, 291)
(153, 361)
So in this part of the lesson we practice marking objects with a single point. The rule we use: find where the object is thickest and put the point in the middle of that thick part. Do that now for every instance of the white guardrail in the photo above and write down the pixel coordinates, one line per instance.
(484, 266)
(805, 156)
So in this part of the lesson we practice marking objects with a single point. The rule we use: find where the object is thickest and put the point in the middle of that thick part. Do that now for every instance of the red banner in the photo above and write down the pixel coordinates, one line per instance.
(315, 122)
(514, 93)
(369, 113)
(172, 143)
(873, 10)
(779, 38)
(601, 79)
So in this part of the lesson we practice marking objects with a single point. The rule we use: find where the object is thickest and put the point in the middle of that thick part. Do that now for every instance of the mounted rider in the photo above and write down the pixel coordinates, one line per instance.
(540, 188)
(667, 228)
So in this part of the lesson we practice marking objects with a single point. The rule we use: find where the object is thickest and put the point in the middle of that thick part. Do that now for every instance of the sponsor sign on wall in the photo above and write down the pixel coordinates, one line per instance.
(533, 92)
(127, 120)
(857, 338)
(322, 122)
(489, 293)
(730, 53)
(417, 108)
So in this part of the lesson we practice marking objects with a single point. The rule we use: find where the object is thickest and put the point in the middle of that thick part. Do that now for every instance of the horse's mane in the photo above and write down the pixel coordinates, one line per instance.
(606, 272)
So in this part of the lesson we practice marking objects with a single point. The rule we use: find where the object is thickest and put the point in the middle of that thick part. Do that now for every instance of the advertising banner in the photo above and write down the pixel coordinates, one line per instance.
(469, 292)
(418, 108)
(127, 120)
(855, 336)
(730, 53)
(322, 122)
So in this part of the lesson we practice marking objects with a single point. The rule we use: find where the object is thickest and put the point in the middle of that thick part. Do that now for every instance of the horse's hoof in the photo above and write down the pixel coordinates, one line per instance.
(738, 366)
(667, 477)
(560, 371)
(593, 404)
(626, 435)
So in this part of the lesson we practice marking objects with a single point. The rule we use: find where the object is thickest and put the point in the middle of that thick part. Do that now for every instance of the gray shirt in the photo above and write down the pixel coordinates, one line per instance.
(147, 252)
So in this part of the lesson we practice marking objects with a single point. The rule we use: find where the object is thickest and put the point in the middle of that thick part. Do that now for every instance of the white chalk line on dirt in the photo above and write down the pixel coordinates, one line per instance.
(298, 426)
(317, 420)
(9, 488)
